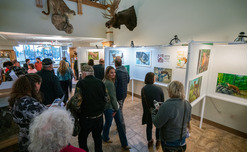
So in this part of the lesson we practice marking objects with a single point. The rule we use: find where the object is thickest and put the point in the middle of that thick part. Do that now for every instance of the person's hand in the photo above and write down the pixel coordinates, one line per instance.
(113, 114)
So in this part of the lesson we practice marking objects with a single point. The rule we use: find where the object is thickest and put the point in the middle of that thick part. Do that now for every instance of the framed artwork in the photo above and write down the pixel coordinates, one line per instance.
(181, 59)
(232, 84)
(93, 55)
(195, 88)
(143, 58)
(81, 64)
(113, 54)
(127, 68)
(203, 60)
(163, 75)
(160, 58)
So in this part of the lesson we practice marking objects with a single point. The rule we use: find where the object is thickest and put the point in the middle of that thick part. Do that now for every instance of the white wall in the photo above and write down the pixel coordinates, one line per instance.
(22, 16)
(200, 20)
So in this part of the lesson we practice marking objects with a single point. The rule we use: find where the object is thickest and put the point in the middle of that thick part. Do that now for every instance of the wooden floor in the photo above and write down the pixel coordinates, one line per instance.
(207, 139)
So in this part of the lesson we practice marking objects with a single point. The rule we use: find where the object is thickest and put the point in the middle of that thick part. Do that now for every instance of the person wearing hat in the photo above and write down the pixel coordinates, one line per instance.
(93, 95)
(50, 87)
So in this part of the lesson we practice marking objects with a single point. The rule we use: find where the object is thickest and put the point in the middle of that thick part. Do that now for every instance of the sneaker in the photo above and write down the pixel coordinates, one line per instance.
(158, 143)
(126, 147)
(150, 143)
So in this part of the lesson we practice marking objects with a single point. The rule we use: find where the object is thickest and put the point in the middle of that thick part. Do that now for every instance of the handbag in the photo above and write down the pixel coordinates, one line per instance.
(177, 148)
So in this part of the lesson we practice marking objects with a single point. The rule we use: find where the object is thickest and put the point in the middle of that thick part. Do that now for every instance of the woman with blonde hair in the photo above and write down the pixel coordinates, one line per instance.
(112, 110)
(25, 105)
(64, 73)
(173, 118)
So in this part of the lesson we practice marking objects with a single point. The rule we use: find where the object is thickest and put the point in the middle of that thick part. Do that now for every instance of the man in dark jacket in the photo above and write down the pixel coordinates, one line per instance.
(93, 95)
(121, 84)
(50, 86)
(99, 69)
(26, 64)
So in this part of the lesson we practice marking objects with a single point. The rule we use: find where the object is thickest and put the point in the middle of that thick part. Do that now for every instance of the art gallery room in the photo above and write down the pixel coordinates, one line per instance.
(201, 44)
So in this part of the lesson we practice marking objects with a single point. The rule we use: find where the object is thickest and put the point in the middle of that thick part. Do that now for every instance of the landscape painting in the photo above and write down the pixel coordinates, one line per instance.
(113, 54)
(93, 55)
(232, 84)
(195, 89)
(163, 75)
(143, 58)
(203, 60)
(181, 59)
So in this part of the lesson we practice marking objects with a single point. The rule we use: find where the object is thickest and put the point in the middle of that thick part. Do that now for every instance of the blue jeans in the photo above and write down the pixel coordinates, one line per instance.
(149, 132)
(121, 102)
(107, 126)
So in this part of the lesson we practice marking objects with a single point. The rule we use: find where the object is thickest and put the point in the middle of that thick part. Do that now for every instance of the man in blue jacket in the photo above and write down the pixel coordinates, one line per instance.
(121, 84)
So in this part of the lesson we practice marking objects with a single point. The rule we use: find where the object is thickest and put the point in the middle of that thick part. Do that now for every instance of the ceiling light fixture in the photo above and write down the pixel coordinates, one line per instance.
(175, 40)
(241, 38)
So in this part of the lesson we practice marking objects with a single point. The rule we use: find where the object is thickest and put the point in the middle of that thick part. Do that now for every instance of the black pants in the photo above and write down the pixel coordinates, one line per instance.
(91, 125)
(77, 74)
(65, 85)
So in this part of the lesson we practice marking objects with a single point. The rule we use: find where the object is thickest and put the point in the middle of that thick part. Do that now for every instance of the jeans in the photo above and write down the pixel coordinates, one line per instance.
(149, 132)
(107, 126)
(121, 102)
(91, 125)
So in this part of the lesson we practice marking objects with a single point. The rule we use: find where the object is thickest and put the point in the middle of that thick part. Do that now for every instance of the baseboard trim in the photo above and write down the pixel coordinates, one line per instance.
(228, 129)
(135, 95)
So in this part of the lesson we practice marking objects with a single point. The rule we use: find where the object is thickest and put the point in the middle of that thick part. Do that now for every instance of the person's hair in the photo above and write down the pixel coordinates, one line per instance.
(38, 58)
(27, 60)
(25, 86)
(51, 131)
(106, 77)
(90, 62)
(7, 63)
(176, 90)
(149, 78)
(101, 61)
(64, 58)
(63, 68)
(118, 61)
(31, 65)
(14, 61)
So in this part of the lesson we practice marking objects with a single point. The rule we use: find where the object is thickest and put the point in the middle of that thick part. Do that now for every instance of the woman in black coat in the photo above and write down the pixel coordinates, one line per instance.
(149, 93)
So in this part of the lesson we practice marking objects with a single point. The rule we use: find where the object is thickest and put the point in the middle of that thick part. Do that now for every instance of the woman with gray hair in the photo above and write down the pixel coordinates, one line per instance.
(51, 132)
(173, 117)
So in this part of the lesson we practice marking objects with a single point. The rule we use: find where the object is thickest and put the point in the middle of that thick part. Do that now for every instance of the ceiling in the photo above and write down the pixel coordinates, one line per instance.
(23, 38)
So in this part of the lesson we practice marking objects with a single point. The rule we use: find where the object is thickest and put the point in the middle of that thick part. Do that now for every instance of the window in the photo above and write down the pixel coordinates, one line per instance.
(20, 54)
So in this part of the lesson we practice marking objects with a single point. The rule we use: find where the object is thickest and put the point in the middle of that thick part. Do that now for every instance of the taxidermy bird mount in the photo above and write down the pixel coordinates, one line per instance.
(60, 16)
(126, 17)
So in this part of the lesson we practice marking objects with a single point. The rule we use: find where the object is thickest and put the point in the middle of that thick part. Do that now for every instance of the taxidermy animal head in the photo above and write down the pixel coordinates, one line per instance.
(60, 16)
(126, 17)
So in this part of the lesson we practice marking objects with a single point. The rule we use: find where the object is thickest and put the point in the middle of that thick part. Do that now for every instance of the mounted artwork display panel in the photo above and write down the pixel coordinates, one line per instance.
(163, 75)
(143, 58)
(203, 60)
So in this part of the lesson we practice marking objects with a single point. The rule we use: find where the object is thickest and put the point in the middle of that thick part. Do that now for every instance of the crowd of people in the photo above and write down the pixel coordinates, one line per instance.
(100, 92)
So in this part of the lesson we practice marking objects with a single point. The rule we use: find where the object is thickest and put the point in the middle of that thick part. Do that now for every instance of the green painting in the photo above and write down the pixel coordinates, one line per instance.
(232, 84)
(127, 68)
(195, 89)
(93, 55)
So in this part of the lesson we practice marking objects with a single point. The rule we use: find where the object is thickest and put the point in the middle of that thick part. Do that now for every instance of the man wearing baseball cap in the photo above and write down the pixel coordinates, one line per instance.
(93, 94)
(50, 86)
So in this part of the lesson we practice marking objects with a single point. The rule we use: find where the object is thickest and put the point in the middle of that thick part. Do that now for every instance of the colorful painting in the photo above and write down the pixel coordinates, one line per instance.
(195, 89)
(203, 61)
(181, 59)
(143, 58)
(114, 54)
(127, 68)
(163, 75)
(232, 84)
(160, 58)
(93, 55)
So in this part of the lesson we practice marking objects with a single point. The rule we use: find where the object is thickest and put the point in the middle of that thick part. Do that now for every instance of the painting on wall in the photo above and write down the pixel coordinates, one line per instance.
(160, 58)
(81, 64)
(93, 55)
(166, 58)
(127, 68)
(232, 84)
(143, 58)
(195, 88)
(163, 75)
(181, 59)
(203, 60)
(113, 54)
